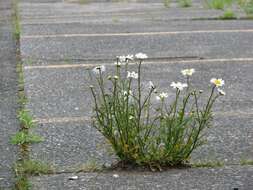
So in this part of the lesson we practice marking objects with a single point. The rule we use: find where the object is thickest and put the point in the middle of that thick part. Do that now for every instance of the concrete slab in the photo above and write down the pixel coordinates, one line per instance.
(8, 98)
(34, 13)
(71, 146)
(110, 25)
(165, 16)
(207, 45)
(199, 179)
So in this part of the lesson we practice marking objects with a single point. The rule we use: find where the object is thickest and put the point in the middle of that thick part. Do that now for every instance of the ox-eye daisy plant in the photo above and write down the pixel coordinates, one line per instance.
(142, 125)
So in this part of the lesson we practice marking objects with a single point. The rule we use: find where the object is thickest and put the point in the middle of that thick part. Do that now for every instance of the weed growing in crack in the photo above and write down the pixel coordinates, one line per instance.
(136, 118)
(185, 3)
(219, 4)
(32, 168)
(22, 138)
(26, 120)
(166, 3)
(228, 14)
(245, 162)
(90, 166)
(209, 164)
(22, 183)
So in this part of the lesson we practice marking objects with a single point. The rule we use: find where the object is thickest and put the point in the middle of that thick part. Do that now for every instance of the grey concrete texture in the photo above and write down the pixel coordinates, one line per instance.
(198, 179)
(130, 26)
(59, 93)
(207, 45)
(8, 98)
(174, 14)
(29, 8)
(103, 12)
(71, 146)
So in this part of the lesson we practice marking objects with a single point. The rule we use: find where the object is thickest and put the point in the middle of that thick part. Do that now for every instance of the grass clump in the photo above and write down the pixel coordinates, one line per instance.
(219, 4)
(228, 14)
(185, 3)
(143, 127)
(22, 183)
(246, 162)
(210, 164)
(166, 3)
(32, 168)
(90, 166)
(16, 20)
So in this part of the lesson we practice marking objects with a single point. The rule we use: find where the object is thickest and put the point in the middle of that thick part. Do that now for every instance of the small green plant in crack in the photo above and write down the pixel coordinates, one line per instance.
(26, 120)
(22, 138)
(115, 19)
(84, 1)
(166, 3)
(185, 3)
(22, 183)
(21, 93)
(16, 21)
(19, 70)
(244, 162)
(228, 15)
(90, 166)
(142, 125)
(209, 164)
(32, 168)
(219, 4)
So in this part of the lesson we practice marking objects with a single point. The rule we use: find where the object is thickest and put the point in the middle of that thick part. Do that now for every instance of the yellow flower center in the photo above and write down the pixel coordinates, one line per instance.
(217, 82)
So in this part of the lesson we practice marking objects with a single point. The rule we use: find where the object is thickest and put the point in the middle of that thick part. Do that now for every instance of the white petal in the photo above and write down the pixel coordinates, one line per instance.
(115, 175)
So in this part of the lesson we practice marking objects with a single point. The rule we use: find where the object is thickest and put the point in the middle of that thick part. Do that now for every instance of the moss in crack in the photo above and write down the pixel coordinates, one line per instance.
(33, 168)
(246, 162)
(90, 166)
(16, 20)
(24, 167)
(208, 164)
(22, 183)
(228, 15)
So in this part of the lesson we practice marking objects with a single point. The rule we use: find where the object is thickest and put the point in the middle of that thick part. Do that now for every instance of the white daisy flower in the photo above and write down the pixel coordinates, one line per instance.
(141, 56)
(132, 75)
(188, 72)
(116, 77)
(180, 86)
(217, 82)
(221, 92)
(130, 57)
(98, 69)
(121, 58)
(162, 96)
(151, 85)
